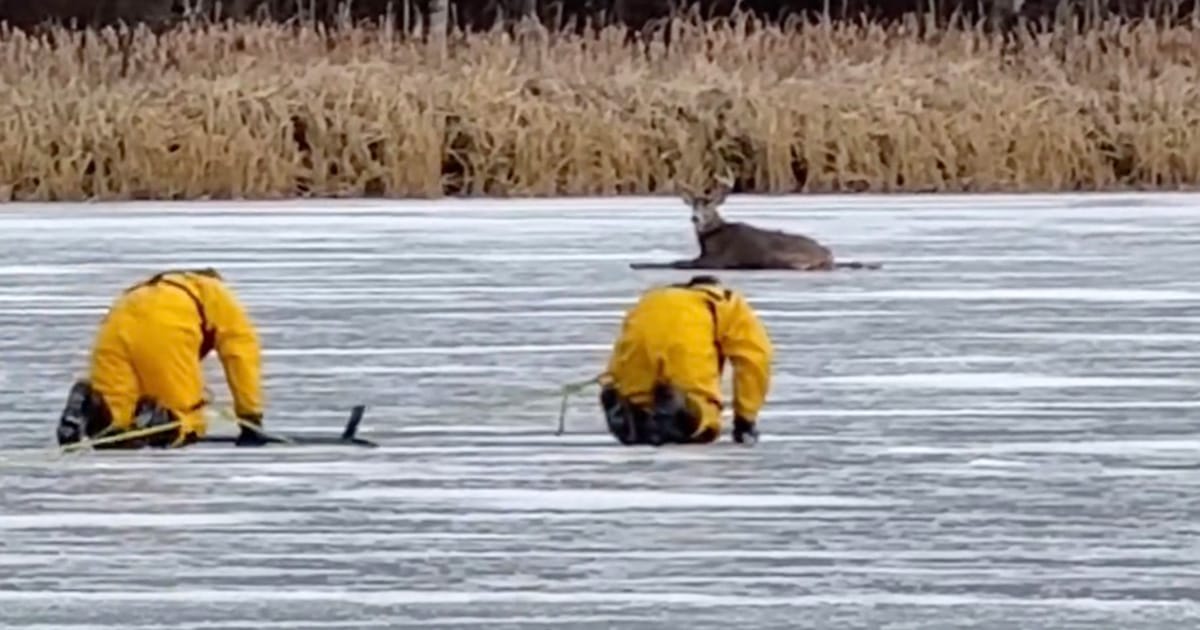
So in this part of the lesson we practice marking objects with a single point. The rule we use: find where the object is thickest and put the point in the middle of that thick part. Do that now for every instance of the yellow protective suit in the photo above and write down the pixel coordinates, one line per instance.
(682, 335)
(154, 338)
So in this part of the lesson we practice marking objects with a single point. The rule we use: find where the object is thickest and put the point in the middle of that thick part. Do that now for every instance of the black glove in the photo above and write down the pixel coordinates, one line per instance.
(248, 436)
(743, 429)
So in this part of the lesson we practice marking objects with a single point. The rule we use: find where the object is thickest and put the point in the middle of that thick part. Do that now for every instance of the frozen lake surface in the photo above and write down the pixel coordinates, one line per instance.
(997, 430)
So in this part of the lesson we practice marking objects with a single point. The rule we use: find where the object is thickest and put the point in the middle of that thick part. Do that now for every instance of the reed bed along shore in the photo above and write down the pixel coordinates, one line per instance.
(272, 111)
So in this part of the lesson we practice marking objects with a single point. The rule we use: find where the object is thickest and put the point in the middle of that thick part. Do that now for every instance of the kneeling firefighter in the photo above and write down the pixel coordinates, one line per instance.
(663, 382)
(145, 368)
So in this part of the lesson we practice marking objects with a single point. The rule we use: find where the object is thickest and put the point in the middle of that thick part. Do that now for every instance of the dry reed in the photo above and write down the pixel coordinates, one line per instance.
(270, 111)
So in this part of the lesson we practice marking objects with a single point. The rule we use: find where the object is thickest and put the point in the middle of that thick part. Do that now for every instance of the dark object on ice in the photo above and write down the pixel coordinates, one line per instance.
(347, 438)
(735, 245)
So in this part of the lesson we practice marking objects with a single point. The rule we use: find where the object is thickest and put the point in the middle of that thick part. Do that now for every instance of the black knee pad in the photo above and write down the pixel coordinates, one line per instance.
(668, 400)
(673, 420)
(647, 429)
(617, 416)
(147, 414)
(85, 414)
(667, 420)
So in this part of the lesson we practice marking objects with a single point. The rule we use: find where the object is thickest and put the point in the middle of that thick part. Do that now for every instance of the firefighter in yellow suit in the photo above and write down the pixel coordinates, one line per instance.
(145, 368)
(663, 382)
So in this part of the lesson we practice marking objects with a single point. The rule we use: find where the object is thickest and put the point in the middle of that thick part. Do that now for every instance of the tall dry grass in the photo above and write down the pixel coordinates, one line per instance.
(268, 111)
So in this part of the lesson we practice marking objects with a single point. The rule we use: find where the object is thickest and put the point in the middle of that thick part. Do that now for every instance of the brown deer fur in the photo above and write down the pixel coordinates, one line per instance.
(734, 245)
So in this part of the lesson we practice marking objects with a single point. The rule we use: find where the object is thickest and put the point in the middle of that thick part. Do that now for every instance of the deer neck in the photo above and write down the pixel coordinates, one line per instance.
(705, 236)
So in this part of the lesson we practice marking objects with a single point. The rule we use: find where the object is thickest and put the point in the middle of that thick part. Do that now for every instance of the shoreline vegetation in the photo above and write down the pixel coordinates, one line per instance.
(264, 110)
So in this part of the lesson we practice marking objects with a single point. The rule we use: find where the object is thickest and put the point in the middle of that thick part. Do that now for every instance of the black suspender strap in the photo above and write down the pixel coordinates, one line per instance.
(208, 335)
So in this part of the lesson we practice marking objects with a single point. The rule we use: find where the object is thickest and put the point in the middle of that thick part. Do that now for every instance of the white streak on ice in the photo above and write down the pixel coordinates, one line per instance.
(595, 500)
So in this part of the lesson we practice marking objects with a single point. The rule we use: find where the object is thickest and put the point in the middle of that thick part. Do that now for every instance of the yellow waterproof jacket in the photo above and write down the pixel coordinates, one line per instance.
(682, 334)
(154, 337)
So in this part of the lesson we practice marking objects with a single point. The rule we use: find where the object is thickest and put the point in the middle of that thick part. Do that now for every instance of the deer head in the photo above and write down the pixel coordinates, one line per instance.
(705, 216)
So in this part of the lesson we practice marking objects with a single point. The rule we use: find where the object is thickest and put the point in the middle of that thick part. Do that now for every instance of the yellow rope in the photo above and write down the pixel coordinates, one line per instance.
(575, 388)
(123, 436)
(567, 391)
(226, 413)
(119, 437)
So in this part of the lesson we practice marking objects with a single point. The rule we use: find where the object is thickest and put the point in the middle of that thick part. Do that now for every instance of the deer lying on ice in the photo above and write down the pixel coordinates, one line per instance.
(735, 245)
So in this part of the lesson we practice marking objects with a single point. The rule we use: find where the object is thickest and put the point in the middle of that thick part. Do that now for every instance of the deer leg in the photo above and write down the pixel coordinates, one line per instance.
(824, 263)
(786, 262)
(856, 265)
(713, 263)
